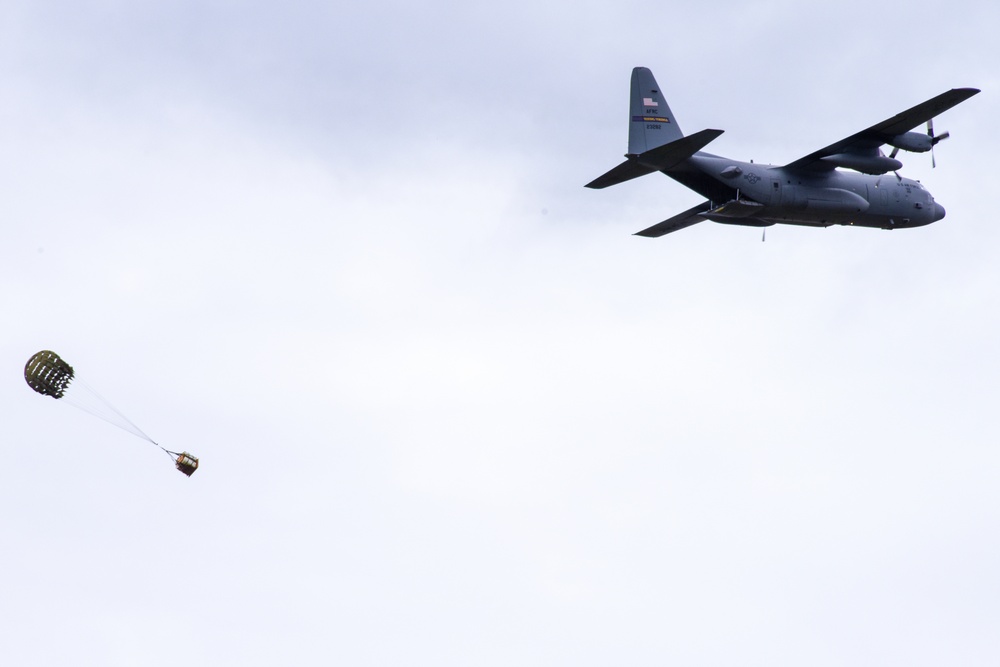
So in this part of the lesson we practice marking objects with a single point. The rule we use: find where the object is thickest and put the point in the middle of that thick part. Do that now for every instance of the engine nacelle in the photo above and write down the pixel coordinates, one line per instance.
(866, 164)
(915, 142)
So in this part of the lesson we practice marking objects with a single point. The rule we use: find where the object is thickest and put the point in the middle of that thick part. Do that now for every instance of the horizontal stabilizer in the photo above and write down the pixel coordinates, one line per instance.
(689, 217)
(672, 154)
(662, 158)
(626, 171)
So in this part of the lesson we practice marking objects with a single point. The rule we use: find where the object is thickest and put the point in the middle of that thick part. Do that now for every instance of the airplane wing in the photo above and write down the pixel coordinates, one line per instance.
(680, 221)
(867, 142)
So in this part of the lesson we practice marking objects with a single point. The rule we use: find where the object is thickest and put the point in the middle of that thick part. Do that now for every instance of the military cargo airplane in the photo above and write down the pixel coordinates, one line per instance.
(812, 190)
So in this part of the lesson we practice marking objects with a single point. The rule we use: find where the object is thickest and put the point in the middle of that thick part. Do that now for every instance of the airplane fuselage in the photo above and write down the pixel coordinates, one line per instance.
(835, 197)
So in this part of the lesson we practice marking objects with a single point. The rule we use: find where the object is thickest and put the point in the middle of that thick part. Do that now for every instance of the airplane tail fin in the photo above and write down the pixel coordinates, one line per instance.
(655, 141)
(651, 123)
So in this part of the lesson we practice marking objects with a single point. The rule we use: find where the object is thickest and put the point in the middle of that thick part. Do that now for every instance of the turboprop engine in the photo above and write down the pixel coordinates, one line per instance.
(915, 142)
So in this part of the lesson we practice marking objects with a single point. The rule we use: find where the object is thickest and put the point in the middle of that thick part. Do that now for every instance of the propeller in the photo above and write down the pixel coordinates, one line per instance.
(899, 178)
(935, 140)
(878, 181)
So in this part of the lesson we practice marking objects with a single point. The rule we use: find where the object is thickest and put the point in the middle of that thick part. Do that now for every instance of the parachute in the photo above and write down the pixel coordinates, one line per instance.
(49, 375)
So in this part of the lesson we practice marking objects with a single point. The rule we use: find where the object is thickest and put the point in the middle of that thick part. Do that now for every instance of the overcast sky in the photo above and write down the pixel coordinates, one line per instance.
(449, 410)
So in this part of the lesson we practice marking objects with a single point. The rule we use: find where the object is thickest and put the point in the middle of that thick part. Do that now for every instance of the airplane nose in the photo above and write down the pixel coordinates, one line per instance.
(938, 211)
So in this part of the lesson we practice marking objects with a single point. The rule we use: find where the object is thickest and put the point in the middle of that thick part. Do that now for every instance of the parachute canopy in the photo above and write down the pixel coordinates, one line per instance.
(48, 374)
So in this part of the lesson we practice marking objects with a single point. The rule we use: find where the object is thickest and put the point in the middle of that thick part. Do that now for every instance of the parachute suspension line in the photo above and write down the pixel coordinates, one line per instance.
(81, 395)
(85, 397)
